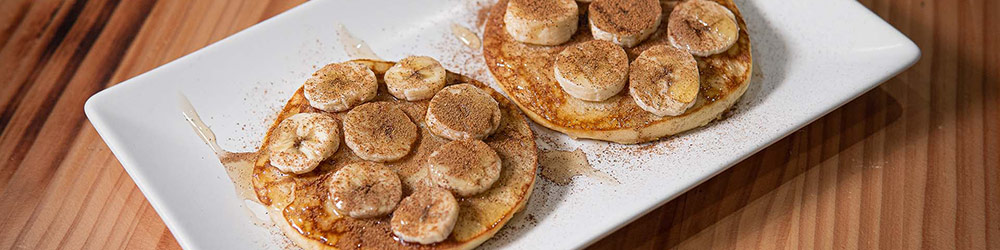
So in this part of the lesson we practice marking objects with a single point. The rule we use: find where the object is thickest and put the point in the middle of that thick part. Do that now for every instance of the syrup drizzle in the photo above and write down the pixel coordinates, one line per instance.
(561, 166)
(239, 166)
(354, 47)
(466, 36)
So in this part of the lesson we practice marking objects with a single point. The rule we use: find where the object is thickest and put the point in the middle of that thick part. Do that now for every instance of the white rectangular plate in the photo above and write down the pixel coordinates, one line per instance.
(809, 58)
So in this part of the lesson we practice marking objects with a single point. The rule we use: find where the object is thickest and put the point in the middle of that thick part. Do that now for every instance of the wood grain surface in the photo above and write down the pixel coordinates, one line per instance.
(915, 163)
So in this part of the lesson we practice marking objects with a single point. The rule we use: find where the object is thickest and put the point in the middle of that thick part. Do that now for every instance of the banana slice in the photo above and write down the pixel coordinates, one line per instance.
(365, 190)
(703, 28)
(466, 167)
(302, 141)
(339, 86)
(593, 70)
(463, 111)
(664, 80)
(624, 22)
(415, 78)
(379, 131)
(542, 22)
(427, 216)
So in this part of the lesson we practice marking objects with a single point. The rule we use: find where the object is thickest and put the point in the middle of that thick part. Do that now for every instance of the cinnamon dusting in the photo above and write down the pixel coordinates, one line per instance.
(379, 128)
(469, 160)
(624, 16)
(542, 9)
(465, 108)
(601, 63)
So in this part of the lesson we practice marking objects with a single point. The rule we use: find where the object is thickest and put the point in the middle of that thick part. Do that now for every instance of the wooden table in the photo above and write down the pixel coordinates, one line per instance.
(913, 163)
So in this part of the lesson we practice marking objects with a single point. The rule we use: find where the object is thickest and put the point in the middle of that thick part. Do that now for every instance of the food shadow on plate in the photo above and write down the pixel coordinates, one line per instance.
(546, 195)
(771, 61)
(545, 198)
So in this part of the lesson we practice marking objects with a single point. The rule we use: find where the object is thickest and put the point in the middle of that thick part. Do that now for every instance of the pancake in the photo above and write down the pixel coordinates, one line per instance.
(300, 207)
(525, 73)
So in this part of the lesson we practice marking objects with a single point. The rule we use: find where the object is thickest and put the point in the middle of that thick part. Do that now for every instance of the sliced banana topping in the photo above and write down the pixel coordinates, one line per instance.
(379, 131)
(702, 27)
(543, 22)
(624, 22)
(302, 141)
(463, 111)
(415, 78)
(339, 86)
(365, 190)
(427, 216)
(664, 80)
(593, 70)
(466, 167)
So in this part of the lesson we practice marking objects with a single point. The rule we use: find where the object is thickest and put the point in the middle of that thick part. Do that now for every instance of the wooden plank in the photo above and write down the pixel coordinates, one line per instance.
(84, 199)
